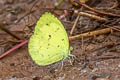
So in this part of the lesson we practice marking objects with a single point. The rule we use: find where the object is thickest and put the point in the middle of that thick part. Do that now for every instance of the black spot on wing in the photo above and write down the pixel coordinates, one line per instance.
(58, 45)
(62, 39)
(47, 24)
(49, 37)
(48, 44)
(57, 29)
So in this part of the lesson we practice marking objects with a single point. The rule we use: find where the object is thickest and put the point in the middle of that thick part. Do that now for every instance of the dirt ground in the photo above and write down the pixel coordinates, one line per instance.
(97, 57)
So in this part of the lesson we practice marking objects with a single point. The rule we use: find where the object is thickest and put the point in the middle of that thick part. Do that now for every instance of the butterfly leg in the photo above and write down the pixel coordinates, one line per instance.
(73, 58)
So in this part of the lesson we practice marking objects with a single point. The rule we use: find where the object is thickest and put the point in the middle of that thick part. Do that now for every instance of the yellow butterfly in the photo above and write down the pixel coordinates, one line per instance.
(49, 43)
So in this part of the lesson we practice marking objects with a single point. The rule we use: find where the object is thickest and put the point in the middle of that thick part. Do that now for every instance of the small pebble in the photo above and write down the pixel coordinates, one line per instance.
(104, 75)
(84, 70)
(53, 71)
(12, 64)
(95, 69)
(119, 65)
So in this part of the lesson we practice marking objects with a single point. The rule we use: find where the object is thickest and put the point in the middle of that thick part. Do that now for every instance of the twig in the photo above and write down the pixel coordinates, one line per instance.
(99, 58)
(2, 27)
(112, 7)
(14, 48)
(100, 12)
(74, 25)
(34, 5)
(116, 28)
(101, 46)
(82, 46)
(90, 15)
(88, 34)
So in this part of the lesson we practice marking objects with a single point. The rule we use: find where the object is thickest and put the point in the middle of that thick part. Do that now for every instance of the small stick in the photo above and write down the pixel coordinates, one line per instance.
(100, 12)
(14, 48)
(88, 34)
(82, 46)
(112, 7)
(101, 46)
(74, 25)
(90, 15)
(100, 58)
(2, 27)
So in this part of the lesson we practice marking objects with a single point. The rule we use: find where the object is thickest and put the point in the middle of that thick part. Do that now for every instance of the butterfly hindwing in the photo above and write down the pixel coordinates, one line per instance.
(49, 43)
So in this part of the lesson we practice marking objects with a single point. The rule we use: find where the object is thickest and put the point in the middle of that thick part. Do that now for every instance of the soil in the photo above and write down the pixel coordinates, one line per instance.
(97, 57)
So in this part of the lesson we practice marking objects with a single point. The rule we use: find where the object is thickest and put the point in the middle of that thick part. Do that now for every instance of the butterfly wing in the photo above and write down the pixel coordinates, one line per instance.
(49, 43)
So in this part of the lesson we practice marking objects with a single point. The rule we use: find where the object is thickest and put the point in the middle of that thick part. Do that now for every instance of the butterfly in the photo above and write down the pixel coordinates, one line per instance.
(49, 42)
